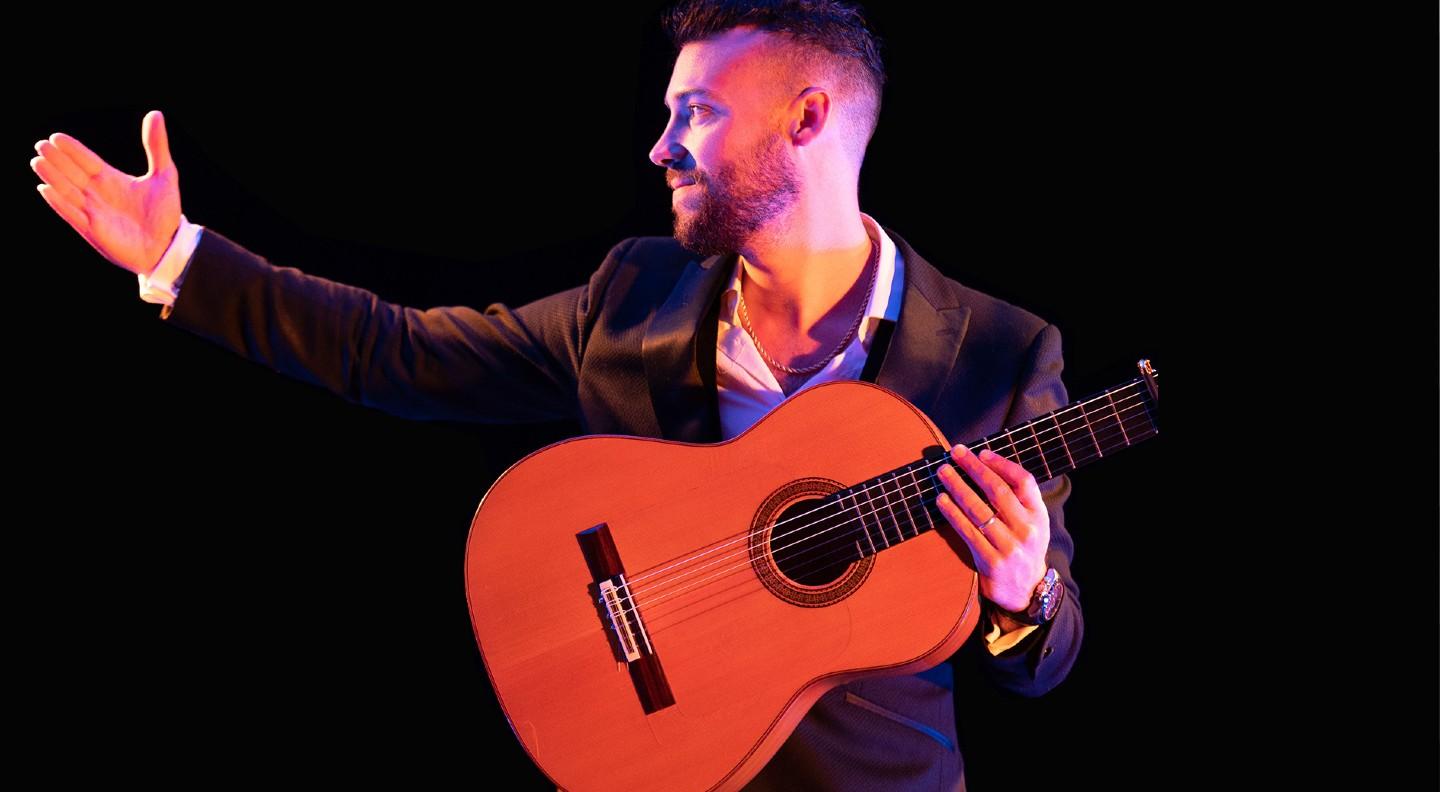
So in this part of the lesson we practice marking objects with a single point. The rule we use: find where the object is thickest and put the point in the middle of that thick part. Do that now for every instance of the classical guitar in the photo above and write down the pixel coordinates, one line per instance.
(656, 614)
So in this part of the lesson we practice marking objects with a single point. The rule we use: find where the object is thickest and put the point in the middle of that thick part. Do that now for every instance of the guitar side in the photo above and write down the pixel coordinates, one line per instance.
(742, 644)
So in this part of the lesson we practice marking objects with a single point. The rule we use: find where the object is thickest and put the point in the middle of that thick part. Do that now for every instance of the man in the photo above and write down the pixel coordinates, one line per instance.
(774, 280)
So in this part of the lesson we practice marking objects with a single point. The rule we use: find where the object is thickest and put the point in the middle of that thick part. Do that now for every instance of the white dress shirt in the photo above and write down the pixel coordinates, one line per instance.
(746, 387)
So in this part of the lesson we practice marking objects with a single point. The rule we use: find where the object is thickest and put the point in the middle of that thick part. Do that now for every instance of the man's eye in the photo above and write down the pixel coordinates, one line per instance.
(701, 108)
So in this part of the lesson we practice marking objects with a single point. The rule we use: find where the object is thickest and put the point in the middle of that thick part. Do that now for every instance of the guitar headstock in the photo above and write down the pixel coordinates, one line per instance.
(1149, 374)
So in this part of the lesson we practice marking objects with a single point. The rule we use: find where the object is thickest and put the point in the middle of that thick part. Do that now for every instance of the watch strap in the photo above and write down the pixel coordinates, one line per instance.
(1044, 601)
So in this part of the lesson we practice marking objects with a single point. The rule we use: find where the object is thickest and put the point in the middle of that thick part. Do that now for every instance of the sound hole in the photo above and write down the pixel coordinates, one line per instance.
(813, 547)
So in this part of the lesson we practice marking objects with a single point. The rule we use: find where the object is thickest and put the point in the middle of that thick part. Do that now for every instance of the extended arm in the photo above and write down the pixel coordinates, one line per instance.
(446, 363)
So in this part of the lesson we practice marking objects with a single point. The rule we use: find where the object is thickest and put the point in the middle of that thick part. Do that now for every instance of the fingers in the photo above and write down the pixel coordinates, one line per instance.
(87, 160)
(67, 211)
(50, 171)
(61, 189)
(996, 490)
(975, 512)
(156, 141)
(54, 163)
(1021, 482)
(986, 556)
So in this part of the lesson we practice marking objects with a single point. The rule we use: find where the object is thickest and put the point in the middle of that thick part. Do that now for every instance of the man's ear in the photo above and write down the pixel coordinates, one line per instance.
(810, 113)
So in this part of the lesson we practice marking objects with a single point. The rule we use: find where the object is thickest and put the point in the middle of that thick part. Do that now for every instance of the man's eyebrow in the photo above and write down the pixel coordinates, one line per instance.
(696, 92)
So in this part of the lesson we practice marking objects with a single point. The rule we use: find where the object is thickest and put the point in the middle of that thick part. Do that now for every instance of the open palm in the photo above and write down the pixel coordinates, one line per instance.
(130, 220)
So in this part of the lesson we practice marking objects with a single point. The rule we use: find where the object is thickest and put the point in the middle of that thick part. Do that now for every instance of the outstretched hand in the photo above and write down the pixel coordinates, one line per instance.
(1010, 550)
(130, 220)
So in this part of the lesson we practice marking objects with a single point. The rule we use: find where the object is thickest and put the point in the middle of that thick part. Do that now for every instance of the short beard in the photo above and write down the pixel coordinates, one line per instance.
(750, 195)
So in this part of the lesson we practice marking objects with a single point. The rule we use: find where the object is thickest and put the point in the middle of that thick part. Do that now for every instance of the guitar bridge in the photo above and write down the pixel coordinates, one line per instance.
(622, 620)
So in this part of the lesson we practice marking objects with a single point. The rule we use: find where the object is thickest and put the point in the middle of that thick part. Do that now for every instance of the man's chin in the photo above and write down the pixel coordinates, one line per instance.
(691, 242)
(684, 228)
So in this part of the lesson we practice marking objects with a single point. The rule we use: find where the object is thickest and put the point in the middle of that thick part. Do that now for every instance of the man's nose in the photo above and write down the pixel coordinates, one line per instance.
(667, 152)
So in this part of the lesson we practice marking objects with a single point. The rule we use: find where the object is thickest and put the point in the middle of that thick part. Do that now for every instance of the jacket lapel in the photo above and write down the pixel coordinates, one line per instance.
(679, 345)
(926, 340)
(679, 353)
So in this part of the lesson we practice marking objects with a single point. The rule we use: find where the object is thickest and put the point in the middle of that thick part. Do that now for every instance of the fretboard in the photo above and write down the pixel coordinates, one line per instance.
(900, 504)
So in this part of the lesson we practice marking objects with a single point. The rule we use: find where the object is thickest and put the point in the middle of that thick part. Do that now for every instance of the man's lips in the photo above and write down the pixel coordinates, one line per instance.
(677, 185)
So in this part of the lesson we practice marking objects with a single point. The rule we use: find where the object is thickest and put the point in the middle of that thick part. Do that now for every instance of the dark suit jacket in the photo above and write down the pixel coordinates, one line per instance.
(633, 352)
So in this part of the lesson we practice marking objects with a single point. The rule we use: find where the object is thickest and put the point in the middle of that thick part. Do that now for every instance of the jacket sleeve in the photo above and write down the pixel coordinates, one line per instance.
(500, 365)
(1044, 657)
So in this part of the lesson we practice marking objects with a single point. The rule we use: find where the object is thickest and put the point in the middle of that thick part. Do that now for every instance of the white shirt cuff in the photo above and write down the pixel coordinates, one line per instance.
(996, 642)
(162, 285)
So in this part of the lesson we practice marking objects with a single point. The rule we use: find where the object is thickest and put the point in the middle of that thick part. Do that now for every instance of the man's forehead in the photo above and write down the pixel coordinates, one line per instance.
(723, 68)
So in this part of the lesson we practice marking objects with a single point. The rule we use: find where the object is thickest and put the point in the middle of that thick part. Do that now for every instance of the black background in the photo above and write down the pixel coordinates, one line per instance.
(233, 575)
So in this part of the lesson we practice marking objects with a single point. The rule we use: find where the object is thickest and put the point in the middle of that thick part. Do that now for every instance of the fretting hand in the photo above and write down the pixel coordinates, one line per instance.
(1009, 550)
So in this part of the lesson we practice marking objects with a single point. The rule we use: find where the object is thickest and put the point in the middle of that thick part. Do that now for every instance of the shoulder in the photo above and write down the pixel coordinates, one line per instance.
(654, 255)
(642, 262)
(997, 321)
(991, 321)
(638, 274)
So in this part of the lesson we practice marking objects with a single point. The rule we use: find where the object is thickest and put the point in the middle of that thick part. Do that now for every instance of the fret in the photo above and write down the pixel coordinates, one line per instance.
(923, 498)
(884, 484)
(1149, 408)
(1094, 441)
(1138, 425)
(876, 517)
(1111, 400)
(1065, 444)
(902, 506)
(1041, 447)
(1142, 414)
(1140, 433)
(1007, 447)
(859, 515)
(1017, 448)
(932, 476)
(875, 489)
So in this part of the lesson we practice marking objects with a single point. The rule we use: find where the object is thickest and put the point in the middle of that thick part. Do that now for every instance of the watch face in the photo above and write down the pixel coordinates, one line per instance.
(1051, 602)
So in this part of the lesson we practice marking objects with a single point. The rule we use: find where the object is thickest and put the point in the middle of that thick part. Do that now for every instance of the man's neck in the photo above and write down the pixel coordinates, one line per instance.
(796, 281)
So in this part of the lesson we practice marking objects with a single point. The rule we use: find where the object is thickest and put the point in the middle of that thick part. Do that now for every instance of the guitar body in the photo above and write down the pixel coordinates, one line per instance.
(743, 643)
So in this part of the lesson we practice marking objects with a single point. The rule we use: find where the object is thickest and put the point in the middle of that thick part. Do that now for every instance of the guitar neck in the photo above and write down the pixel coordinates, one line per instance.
(899, 504)
(1085, 431)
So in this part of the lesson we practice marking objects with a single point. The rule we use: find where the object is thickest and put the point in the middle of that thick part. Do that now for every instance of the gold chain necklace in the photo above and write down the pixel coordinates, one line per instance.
(873, 264)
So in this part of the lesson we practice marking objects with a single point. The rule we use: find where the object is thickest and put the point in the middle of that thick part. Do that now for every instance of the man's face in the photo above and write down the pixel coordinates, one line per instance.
(727, 142)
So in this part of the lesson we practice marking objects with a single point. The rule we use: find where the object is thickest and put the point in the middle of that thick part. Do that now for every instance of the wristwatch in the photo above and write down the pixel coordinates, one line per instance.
(1044, 603)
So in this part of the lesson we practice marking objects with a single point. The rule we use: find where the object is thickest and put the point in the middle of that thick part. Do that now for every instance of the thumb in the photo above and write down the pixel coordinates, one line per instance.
(156, 142)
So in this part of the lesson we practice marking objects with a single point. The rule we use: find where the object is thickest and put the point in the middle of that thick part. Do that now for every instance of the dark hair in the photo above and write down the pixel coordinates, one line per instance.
(832, 38)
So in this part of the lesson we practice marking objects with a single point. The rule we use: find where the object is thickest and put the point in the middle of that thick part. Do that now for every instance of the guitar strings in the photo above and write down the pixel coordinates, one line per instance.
(655, 620)
(905, 490)
(1011, 447)
(659, 622)
(1039, 444)
(837, 545)
(845, 544)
